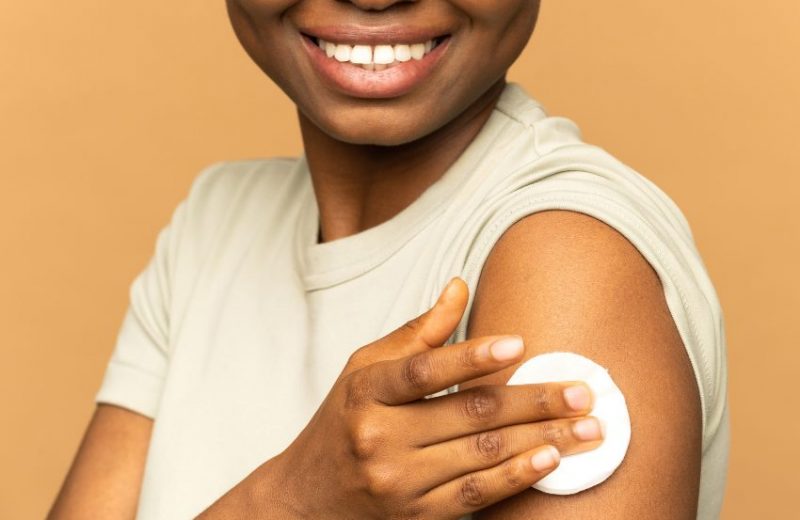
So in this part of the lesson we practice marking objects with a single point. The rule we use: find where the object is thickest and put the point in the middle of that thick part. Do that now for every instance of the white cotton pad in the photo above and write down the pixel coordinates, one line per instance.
(583, 470)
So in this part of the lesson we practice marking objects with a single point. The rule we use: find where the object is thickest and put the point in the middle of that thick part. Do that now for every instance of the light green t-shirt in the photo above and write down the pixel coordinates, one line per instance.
(241, 322)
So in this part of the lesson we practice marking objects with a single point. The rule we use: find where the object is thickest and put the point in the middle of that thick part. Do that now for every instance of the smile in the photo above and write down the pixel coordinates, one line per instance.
(376, 64)
(377, 57)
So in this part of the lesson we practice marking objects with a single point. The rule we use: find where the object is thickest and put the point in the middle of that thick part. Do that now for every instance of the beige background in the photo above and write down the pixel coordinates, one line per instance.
(108, 111)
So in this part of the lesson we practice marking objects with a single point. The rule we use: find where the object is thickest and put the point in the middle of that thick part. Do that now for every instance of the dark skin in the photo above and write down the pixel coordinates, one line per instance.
(562, 278)
(384, 183)
(390, 150)
(556, 279)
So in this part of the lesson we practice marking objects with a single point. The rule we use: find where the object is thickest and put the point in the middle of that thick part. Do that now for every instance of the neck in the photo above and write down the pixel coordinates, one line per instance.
(360, 186)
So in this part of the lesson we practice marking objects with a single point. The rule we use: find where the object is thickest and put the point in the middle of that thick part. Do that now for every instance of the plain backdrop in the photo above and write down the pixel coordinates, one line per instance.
(109, 110)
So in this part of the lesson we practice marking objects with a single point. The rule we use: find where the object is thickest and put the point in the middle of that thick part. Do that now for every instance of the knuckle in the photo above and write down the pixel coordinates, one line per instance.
(469, 358)
(417, 371)
(471, 493)
(514, 475)
(420, 508)
(412, 328)
(541, 399)
(488, 445)
(409, 510)
(481, 404)
(382, 482)
(358, 391)
(413, 511)
(553, 433)
(367, 438)
(357, 358)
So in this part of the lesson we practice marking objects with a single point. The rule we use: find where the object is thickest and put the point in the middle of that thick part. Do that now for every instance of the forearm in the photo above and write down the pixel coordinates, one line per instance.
(106, 475)
(260, 496)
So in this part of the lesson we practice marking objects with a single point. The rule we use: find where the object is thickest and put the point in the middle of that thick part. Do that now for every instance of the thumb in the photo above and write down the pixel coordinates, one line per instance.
(434, 327)
(429, 330)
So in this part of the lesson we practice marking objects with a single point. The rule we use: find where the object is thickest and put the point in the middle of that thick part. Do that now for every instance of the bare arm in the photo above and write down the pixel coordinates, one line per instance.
(565, 281)
(106, 475)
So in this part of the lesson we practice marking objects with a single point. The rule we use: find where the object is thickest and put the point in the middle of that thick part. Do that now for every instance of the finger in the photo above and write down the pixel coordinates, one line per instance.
(429, 330)
(457, 457)
(484, 408)
(413, 377)
(435, 327)
(481, 489)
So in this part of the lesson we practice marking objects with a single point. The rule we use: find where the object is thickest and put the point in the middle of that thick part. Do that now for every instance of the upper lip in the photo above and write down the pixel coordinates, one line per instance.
(374, 35)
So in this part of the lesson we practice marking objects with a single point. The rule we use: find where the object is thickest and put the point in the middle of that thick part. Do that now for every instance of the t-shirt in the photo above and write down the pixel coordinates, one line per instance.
(242, 321)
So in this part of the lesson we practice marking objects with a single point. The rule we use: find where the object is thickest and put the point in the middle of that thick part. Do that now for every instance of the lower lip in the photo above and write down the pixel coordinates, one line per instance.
(353, 80)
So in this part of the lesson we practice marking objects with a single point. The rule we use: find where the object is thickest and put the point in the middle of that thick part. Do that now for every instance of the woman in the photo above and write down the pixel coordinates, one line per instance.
(237, 388)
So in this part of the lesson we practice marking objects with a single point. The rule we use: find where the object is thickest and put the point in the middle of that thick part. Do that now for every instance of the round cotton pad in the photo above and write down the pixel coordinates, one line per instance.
(583, 470)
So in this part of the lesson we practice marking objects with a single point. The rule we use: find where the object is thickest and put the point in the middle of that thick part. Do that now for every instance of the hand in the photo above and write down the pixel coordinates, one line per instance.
(376, 448)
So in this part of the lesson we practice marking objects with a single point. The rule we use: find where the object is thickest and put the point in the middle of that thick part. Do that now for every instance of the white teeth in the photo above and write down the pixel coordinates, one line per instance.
(384, 54)
(343, 53)
(376, 58)
(361, 55)
(402, 52)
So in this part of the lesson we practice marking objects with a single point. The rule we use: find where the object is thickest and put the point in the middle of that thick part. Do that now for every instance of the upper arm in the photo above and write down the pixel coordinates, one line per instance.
(565, 281)
(105, 478)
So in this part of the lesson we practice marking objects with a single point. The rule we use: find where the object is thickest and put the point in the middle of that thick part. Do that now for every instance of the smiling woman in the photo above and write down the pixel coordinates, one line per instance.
(283, 354)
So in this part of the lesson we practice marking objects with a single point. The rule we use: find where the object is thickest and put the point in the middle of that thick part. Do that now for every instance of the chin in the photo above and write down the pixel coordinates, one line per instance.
(375, 127)
(383, 137)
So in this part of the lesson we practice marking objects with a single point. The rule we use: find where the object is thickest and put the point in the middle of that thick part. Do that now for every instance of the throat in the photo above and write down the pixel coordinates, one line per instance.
(358, 186)
(354, 200)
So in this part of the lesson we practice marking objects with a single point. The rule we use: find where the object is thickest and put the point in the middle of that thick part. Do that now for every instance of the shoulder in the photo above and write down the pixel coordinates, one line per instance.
(576, 281)
(223, 180)
(579, 214)
(231, 194)
(574, 250)
(228, 206)
(566, 281)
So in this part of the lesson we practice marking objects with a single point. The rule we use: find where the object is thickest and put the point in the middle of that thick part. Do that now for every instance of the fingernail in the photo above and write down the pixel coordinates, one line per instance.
(545, 459)
(589, 429)
(507, 348)
(578, 397)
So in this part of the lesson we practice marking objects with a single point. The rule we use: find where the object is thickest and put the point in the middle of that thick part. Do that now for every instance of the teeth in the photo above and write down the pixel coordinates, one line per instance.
(343, 53)
(379, 57)
(384, 54)
(418, 51)
(330, 48)
(402, 52)
(361, 55)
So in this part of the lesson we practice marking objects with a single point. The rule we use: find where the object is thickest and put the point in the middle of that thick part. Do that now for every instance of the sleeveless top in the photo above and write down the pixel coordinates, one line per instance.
(241, 322)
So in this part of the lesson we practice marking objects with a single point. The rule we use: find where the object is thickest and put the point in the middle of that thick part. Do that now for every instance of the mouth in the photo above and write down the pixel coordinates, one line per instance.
(376, 57)
(374, 65)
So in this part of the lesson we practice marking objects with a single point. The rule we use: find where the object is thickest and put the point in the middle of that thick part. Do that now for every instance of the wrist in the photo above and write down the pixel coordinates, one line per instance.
(268, 492)
(260, 496)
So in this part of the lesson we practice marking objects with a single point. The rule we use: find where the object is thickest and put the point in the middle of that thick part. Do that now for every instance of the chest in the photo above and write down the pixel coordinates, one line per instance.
(253, 355)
